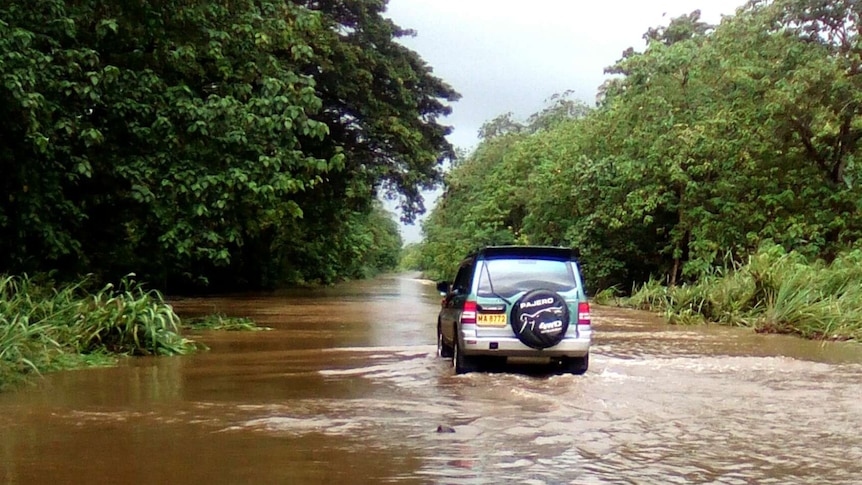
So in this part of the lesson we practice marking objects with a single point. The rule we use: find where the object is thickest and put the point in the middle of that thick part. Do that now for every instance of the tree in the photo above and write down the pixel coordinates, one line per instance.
(820, 100)
(503, 124)
(710, 142)
(486, 195)
(165, 142)
(795, 85)
(381, 102)
(179, 139)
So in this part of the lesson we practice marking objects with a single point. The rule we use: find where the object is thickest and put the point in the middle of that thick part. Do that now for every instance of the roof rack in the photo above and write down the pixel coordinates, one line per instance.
(548, 252)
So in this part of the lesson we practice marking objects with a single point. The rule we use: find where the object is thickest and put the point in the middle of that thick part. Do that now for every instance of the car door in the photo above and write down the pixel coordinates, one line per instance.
(454, 301)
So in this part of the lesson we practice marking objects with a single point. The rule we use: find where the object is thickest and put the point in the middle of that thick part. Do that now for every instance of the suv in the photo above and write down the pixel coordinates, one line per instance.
(516, 303)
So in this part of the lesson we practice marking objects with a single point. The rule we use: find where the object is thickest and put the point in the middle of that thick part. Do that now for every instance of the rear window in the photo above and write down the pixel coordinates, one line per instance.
(511, 276)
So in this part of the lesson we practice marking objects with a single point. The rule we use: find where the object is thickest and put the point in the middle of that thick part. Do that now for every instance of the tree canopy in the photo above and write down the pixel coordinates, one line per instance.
(706, 144)
(192, 141)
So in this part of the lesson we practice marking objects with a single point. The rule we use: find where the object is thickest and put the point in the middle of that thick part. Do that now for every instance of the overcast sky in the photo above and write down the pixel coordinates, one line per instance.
(507, 55)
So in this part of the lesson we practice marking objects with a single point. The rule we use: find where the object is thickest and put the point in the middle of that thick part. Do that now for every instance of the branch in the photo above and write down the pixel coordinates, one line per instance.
(845, 143)
(806, 137)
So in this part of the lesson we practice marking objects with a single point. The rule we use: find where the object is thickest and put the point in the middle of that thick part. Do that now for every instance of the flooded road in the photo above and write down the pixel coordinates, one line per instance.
(346, 389)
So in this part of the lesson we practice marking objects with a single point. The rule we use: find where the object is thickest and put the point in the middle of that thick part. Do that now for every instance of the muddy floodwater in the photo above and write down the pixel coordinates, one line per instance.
(346, 388)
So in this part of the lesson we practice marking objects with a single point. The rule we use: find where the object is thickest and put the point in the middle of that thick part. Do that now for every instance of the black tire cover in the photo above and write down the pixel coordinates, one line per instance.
(540, 318)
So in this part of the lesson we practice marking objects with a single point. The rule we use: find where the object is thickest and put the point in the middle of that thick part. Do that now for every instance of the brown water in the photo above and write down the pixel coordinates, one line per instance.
(346, 389)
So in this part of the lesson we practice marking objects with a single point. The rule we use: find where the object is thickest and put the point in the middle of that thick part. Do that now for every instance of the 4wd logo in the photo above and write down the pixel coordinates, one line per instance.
(545, 321)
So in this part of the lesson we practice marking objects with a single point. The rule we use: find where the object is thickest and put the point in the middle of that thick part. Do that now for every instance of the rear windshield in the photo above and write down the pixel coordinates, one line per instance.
(511, 276)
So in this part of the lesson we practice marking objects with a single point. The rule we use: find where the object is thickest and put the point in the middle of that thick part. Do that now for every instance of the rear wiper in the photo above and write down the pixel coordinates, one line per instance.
(491, 285)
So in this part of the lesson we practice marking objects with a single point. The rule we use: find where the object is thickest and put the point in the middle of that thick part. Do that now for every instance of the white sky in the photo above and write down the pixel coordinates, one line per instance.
(507, 55)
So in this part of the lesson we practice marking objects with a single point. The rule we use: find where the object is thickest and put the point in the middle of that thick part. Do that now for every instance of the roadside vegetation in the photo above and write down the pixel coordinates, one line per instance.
(221, 322)
(205, 147)
(410, 258)
(46, 327)
(211, 146)
(718, 174)
(773, 291)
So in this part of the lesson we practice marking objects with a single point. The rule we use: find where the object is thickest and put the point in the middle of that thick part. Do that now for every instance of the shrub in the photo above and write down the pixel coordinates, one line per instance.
(44, 328)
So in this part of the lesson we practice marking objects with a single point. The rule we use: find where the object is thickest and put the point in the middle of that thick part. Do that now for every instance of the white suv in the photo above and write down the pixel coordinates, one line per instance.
(516, 303)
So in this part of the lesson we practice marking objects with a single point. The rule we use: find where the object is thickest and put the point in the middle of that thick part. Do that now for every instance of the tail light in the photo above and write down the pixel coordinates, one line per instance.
(584, 313)
(468, 315)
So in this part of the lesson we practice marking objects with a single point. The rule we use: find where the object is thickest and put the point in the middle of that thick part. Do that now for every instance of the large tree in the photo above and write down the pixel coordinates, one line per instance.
(381, 101)
(170, 138)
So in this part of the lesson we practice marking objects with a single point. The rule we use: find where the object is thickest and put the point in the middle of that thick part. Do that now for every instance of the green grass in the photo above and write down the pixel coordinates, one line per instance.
(607, 296)
(221, 322)
(775, 292)
(43, 328)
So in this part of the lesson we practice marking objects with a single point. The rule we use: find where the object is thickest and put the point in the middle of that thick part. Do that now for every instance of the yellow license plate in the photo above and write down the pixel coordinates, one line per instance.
(491, 319)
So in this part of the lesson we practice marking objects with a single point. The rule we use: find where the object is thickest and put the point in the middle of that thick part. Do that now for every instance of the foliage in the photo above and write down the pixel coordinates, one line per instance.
(606, 296)
(560, 107)
(189, 141)
(411, 258)
(380, 101)
(126, 320)
(221, 322)
(462, 221)
(775, 291)
(708, 143)
(354, 245)
(486, 196)
(43, 329)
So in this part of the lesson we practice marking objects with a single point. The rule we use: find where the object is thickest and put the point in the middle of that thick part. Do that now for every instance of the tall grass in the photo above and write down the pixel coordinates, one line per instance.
(45, 328)
(774, 291)
(220, 321)
(607, 296)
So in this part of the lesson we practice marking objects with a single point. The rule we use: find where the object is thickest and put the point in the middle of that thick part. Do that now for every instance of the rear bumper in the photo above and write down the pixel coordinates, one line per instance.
(512, 347)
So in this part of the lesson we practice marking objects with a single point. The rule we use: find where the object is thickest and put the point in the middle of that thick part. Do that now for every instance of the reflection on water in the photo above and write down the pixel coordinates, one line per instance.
(346, 388)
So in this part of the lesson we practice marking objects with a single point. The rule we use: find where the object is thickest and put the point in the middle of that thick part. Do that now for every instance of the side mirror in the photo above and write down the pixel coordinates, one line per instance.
(443, 287)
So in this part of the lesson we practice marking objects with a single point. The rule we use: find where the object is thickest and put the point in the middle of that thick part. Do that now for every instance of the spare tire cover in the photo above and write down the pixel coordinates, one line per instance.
(540, 318)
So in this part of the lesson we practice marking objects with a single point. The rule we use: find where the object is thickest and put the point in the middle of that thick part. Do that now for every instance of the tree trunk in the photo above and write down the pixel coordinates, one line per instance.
(674, 272)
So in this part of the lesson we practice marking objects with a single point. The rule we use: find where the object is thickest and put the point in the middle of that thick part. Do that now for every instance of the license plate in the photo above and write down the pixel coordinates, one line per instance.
(491, 319)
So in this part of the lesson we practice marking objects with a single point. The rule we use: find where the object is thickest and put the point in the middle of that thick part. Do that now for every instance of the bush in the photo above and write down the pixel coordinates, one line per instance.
(43, 328)
(775, 291)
